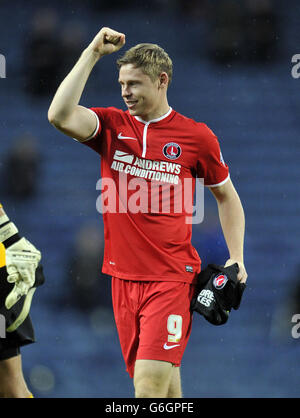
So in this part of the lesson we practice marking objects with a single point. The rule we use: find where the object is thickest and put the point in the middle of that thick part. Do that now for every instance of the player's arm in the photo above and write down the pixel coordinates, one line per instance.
(65, 113)
(20, 257)
(232, 219)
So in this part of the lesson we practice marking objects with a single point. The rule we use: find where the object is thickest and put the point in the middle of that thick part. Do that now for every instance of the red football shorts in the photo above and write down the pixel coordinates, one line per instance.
(153, 319)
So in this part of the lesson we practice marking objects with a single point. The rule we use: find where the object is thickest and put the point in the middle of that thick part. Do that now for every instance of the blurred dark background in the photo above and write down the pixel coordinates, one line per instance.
(232, 70)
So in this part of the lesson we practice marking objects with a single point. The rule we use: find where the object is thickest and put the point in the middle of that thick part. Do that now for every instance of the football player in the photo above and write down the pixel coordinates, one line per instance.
(148, 253)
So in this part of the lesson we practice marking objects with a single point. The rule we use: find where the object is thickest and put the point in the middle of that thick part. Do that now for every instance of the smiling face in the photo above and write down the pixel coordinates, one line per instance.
(143, 96)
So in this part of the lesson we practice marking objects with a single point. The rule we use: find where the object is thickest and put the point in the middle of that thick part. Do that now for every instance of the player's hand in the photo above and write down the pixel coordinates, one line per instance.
(242, 274)
(22, 259)
(107, 41)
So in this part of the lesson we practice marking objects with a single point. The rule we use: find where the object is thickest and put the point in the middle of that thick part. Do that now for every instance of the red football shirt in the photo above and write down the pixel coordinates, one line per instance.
(146, 168)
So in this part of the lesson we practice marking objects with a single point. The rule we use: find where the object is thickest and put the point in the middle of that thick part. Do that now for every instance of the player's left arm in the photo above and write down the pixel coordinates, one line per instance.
(232, 219)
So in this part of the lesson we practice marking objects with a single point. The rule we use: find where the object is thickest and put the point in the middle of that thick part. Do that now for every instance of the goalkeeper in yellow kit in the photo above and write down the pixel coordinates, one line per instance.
(20, 274)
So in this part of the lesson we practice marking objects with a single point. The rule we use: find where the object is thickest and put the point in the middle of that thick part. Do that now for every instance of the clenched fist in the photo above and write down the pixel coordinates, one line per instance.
(107, 41)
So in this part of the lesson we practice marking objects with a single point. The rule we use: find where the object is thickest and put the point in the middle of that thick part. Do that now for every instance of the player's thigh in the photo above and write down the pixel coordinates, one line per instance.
(165, 322)
(153, 374)
(11, 369)
(10, 363)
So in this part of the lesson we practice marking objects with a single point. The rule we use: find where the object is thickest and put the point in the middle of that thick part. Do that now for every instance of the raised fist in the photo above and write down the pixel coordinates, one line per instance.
(107, 41)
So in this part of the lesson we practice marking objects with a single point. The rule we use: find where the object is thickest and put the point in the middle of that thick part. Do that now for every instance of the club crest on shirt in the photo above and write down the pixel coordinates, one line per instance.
(172, 150)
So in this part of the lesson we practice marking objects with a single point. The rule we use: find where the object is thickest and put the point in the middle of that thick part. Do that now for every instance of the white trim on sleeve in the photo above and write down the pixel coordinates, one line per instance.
(219, 184)
(95, 131)
(97, 127)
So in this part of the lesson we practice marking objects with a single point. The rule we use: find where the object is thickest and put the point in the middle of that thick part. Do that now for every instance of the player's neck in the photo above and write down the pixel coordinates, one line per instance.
(156, 113)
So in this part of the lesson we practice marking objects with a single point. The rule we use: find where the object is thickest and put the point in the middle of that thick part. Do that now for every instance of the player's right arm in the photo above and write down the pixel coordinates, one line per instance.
(65, 113)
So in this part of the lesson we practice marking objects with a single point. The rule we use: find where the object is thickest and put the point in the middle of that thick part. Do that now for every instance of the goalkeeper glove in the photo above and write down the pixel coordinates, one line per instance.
(21, 259)
(218, 291)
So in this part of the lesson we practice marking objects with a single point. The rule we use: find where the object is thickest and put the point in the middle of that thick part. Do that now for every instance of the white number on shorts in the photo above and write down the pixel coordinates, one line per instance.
(174, 326)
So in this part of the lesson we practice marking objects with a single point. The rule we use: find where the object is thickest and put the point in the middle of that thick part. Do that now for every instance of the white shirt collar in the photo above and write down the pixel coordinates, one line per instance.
(155, 120)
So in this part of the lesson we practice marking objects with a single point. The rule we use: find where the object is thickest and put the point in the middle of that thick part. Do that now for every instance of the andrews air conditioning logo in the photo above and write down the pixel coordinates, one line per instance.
(220, 281)
(172, 150)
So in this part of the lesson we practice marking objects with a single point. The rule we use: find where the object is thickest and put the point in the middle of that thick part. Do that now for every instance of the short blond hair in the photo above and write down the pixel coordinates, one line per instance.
(150, 58)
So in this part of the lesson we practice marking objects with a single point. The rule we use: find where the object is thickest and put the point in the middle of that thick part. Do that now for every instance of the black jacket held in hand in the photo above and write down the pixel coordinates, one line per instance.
(218, 291)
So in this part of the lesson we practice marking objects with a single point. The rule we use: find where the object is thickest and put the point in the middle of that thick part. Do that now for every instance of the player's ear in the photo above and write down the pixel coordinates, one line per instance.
(163, 80)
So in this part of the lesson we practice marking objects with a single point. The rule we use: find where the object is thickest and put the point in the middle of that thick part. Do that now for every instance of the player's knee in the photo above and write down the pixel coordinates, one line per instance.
(174, 392)
(151, 380)
(148, 387)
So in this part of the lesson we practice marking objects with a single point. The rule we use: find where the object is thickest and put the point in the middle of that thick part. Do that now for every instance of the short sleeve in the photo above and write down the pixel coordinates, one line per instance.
(105, 122)
(210, 163)
(93, 140)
